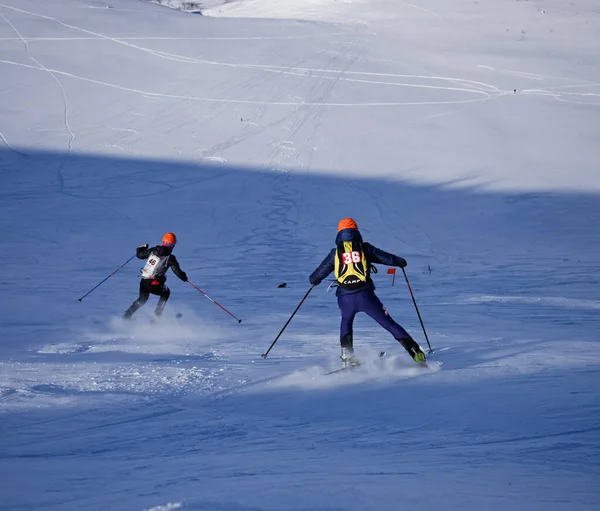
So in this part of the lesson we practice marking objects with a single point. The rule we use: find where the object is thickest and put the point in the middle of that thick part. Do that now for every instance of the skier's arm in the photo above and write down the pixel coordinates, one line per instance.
(174, 265)
(143, 252)
(376, 255)
(324, 269)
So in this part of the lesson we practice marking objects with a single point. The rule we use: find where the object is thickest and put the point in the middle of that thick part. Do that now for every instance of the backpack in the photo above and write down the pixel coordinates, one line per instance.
(351, 266)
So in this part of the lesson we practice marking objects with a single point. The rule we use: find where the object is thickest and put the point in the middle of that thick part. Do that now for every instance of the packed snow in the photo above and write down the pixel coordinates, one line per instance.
(460, 135)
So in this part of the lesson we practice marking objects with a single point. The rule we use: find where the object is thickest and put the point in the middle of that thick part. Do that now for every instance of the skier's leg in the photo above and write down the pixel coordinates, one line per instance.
(162, 301)
(141, 300)
(347, 305)
(371, 305)
(348, 308)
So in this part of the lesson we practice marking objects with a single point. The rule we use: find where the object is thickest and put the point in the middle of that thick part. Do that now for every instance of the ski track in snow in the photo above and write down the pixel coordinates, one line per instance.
(545, 300)
(300, 102)
(10, 148)
(150, 38)
(423, 9)
(5, 142)
(64, 99)
(487, 91)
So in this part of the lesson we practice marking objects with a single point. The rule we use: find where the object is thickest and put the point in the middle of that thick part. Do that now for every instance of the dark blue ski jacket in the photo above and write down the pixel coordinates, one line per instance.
(373, 254)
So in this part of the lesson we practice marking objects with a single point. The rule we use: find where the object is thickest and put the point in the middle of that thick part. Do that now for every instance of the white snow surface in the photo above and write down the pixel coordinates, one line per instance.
(194, 6)
(461, 135)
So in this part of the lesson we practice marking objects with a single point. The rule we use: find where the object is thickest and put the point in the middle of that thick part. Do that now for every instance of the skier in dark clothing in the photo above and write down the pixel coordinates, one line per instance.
(351, 261)
(159, 260)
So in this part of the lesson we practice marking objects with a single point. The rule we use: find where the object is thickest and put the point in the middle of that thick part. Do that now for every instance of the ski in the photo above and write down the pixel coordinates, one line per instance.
(339, 370)
(381, 354)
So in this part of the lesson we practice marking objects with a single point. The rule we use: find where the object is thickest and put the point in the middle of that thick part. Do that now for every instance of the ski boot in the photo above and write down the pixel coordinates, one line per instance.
(348, 358)
(414, 350)
(420, 358)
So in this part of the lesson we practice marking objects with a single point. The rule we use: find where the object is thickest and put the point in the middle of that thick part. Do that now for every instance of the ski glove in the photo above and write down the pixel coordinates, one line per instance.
(400, 262)
(314, 281)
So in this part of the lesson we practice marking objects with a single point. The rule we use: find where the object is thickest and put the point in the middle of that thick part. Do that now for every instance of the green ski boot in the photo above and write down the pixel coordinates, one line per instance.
(420, 358)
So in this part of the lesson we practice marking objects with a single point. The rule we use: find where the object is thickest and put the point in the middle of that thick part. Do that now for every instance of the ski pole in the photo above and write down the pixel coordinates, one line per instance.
(264, 355)
(99, 284)
(213, 301)
(417, 308)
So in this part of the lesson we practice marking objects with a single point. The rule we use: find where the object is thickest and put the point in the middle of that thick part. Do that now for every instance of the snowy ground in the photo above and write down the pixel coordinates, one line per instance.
(463, 136)
(193, 6)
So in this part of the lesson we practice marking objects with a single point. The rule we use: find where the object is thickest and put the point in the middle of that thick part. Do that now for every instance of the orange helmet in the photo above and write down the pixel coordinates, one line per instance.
(347, 223)
(169, 239)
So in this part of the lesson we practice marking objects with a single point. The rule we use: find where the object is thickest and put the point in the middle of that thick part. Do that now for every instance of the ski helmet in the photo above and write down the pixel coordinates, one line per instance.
(169, 239)
(347, 223)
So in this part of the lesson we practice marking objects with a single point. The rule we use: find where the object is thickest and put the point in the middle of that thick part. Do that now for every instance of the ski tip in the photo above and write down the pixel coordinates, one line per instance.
(336, 371)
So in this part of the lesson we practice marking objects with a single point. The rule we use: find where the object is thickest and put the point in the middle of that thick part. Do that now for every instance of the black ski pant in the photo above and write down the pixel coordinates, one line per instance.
(150, 287)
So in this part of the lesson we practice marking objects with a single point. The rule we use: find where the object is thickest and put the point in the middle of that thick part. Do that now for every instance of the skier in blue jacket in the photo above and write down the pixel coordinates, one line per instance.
(351, 261)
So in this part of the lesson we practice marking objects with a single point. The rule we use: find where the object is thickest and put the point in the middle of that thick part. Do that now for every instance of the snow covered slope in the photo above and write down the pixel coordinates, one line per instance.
(460, 135)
